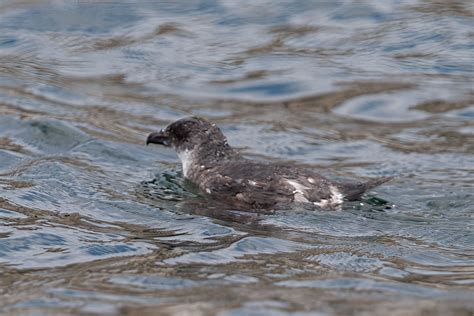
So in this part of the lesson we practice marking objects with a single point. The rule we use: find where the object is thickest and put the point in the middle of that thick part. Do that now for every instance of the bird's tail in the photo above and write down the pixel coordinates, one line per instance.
(353, 191)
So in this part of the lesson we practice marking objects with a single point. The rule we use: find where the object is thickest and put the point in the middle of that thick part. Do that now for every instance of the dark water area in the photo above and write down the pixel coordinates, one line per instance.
(94, 222)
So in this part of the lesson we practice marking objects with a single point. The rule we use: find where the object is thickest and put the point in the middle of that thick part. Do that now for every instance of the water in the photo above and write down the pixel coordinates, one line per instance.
(94, 222)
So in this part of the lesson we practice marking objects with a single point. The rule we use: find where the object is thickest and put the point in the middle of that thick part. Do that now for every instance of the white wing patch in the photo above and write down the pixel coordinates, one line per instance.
(336, 196)
(299, 191)
(299, 188)
(335, 200)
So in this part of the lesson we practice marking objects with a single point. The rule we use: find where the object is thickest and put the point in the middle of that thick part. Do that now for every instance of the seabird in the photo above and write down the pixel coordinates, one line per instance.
(221, 172)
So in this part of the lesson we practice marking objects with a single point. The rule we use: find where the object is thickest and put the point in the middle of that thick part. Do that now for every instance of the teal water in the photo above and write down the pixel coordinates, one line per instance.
(94, 222)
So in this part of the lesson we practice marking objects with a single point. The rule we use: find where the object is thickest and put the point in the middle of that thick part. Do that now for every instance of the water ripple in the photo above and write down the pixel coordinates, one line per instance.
(94, 222)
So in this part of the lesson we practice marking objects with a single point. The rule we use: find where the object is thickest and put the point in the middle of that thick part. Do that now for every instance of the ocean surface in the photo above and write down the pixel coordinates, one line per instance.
(93, 222)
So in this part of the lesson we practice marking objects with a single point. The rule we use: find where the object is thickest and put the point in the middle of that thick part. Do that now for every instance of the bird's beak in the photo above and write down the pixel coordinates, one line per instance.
(160, 138)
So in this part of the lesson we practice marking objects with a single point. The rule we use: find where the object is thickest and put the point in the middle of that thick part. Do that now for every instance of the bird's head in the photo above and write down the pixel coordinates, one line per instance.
(187, 133)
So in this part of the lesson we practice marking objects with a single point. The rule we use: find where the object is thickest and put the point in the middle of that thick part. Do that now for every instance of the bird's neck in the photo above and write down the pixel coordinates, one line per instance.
(200, 158)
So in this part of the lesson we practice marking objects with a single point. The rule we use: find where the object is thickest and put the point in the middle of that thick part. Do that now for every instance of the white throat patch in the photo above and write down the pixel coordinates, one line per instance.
(186, 158)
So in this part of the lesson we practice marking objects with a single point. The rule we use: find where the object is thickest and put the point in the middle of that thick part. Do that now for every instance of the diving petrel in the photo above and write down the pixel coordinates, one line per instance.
(221, 172)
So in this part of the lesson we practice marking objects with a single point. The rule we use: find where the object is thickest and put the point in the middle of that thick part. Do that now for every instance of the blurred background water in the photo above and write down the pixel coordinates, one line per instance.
(94, 222)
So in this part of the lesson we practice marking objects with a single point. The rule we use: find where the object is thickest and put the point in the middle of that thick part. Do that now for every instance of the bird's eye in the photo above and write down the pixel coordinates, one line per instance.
(181, 133)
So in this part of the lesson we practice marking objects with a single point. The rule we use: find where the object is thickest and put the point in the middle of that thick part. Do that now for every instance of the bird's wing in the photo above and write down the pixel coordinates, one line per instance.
(251, 192)
(251, 183)
(264, 185)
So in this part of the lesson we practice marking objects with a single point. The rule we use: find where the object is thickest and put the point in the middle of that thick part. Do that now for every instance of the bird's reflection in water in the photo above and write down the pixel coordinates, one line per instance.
(221, 211)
